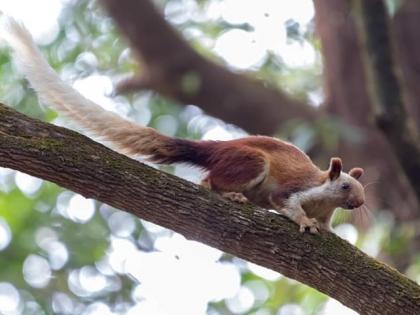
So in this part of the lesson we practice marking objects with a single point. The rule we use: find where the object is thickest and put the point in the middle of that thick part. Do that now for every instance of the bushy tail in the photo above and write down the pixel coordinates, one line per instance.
(127, 137)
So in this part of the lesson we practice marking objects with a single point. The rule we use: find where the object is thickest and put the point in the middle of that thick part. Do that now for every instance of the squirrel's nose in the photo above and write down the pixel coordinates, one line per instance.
(360, 202)
(356, 203)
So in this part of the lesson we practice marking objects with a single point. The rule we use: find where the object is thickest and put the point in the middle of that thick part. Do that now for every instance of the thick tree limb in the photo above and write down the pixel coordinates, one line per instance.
(391, 114)
(175, 70)
(324, 262)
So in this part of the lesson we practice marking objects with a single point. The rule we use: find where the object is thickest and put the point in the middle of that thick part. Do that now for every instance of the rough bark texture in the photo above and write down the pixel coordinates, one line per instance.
(347, 96)
(390, 113)
(175, 70)
(324, 261)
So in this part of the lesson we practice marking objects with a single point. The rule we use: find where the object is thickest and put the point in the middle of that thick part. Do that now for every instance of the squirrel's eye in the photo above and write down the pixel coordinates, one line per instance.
(345, 186)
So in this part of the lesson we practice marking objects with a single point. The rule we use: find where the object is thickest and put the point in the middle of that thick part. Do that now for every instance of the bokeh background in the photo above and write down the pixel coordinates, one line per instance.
(63, 254)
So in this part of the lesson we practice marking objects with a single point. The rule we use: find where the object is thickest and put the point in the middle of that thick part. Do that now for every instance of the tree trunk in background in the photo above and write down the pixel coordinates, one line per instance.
(347, 96)
(406, 24)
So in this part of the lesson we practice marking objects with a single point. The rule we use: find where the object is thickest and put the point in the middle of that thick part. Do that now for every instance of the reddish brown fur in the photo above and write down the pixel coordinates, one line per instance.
(233, 164)
(290, 171)
(287, 163)
(268, 172)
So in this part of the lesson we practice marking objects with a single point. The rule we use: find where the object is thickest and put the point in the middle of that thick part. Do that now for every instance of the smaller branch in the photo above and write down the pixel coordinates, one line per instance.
(391, 114)
(177, 71)
(132, 84)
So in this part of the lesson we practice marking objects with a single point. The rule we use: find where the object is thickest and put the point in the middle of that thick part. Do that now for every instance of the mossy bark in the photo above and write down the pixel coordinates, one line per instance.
(325, 262)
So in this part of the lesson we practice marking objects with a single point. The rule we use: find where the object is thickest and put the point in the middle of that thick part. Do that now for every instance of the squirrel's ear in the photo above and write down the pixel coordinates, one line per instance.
(335, 168)
(356, 172)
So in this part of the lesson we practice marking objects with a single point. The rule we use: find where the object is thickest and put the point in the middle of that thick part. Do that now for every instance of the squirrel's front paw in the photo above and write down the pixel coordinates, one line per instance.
(310, 225)
(234, 196)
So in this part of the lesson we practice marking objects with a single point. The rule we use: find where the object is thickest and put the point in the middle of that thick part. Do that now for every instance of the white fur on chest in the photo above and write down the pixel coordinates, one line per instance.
(316, 202)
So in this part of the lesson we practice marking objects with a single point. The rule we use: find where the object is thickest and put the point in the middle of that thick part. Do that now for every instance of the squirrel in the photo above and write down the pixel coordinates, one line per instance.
(266, 171)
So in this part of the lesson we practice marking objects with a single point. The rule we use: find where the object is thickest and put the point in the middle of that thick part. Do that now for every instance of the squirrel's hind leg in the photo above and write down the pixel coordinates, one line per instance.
(233, 196)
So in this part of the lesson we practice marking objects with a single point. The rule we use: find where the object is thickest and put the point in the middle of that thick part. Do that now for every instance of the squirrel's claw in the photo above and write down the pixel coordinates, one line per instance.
(310, 225)
(234, 196)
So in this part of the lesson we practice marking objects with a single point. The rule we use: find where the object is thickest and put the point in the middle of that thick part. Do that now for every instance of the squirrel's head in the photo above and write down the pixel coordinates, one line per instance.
(347, 191)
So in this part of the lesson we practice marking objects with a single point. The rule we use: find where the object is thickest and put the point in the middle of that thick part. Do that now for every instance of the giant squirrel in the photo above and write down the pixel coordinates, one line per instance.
(266, 171)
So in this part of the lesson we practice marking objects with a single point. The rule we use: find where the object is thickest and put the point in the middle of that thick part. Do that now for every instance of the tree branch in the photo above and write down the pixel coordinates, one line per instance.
(391, 115)
(175, 70)
(325, 262)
